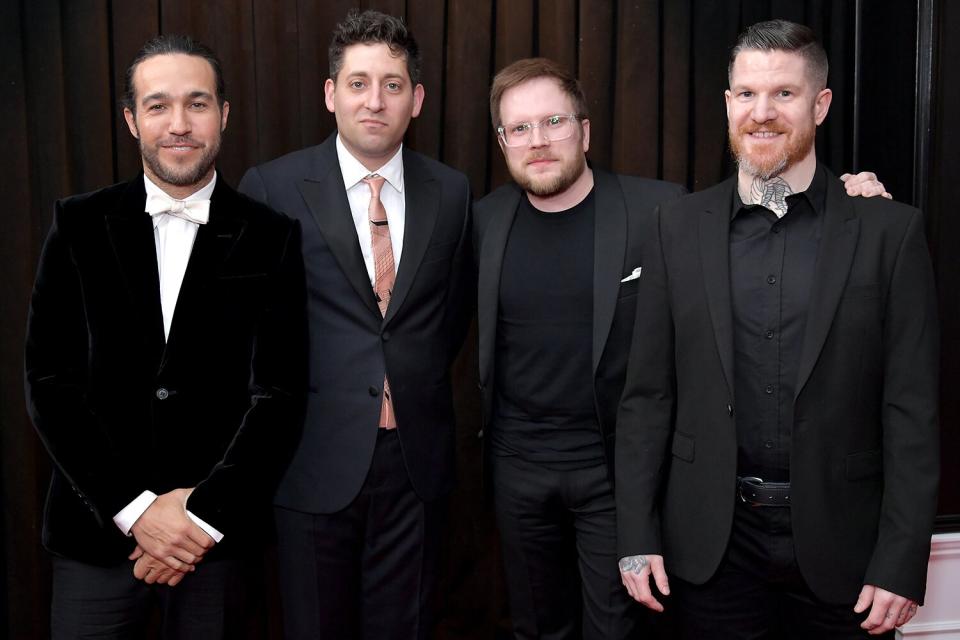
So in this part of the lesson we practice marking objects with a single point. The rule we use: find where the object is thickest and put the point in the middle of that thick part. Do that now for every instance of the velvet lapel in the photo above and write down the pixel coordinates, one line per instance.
(609, 250)
(131, 234)
(838, 243)
(326, 199)
(422, 201)
(714, 231)
(502, 209)
(212, 247)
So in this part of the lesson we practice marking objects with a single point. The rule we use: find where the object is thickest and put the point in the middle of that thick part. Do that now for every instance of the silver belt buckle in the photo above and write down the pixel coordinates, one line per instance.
(740, 487)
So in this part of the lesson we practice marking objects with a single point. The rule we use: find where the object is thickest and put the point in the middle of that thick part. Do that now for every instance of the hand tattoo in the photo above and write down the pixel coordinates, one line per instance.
(771, 194)
(634, 564)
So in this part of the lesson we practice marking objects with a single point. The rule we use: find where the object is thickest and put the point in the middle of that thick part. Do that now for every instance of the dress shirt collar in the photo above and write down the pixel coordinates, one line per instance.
(815, 194)
(203, 193)
(353, 171)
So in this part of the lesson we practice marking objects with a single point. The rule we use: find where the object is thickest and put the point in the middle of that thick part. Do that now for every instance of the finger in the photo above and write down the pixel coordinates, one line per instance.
(199, 537)
(845, 177)
(175, 580)
(627, 580)
(136, 553)
(646, 596)
(888, 195)
(864, 600)
(660, 577)
(911, 610)
(878, 615)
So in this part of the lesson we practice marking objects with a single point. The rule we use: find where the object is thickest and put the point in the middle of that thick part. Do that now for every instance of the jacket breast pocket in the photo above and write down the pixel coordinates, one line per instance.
(628, 289)
(683, 446)
(439, 251)
(863, 465)
(861, 292)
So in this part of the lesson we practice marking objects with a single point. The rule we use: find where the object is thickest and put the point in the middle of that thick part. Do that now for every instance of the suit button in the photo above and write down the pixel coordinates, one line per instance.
(162, 394)
(768, 389)
(729, 410)
(374, 391)
(385, 336)
(771, 279)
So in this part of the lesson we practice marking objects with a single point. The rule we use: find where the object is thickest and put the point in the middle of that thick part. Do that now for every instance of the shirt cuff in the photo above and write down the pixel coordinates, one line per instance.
(127, 516)
(210, 531)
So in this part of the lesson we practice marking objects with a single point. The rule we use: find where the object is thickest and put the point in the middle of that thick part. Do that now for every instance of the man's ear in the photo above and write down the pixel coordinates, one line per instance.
(224, 112)
(822, 105)
(131, 122)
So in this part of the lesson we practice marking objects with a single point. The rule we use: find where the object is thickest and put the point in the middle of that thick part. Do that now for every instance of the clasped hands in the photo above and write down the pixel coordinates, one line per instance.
(887, 609)
(169, 543)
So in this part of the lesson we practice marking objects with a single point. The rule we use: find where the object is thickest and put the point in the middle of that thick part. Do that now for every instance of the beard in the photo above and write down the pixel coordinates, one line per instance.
(180, 176)
(768, 164)
(543, 186)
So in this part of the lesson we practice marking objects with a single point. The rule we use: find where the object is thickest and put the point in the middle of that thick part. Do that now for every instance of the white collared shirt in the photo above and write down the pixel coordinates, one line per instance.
(174, 239)
(358, 195)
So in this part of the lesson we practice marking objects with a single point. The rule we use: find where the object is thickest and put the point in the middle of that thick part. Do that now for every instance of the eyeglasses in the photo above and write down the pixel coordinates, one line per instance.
(553, 129)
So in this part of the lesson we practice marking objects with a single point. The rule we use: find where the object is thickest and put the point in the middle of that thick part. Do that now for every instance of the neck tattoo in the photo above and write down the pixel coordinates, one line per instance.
(771, 194)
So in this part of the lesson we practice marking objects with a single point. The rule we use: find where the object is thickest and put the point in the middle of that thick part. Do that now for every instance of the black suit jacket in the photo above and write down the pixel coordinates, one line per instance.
(624, 215)
(352, 345)
(864, 455)
(119, 410)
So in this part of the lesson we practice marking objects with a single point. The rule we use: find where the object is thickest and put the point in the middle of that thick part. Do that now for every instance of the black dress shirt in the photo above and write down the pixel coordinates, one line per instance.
(771, 269)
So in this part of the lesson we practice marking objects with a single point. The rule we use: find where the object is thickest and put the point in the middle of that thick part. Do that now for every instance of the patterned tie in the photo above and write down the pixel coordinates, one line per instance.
(383, 275)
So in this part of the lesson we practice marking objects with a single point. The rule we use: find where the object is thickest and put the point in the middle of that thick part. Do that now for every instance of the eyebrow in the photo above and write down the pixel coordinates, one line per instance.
(163, 95)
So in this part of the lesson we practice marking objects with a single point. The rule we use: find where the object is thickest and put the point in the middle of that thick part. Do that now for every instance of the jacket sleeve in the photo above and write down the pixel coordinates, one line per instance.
(910, 422)
(251, 466)
(646, 413)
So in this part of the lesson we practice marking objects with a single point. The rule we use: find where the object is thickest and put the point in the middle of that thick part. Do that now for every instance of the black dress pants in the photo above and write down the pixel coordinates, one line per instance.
(368, 571)
(758, 591)
(559, 536)
(109, 603)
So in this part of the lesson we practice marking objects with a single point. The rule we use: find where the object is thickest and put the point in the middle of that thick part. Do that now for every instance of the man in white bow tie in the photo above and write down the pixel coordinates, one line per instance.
(165, 371)
(560, 253)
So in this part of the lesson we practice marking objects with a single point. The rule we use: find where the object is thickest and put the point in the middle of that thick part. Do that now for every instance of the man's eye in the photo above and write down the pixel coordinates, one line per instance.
(198, 105)
(786, 93)
(520, 129)
(746, 94)
(156, 107)
(553, 121)
(357, 84)
(393, 86)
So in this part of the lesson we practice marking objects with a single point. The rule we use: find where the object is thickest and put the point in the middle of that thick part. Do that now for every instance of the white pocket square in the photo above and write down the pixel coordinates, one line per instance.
(632, 276)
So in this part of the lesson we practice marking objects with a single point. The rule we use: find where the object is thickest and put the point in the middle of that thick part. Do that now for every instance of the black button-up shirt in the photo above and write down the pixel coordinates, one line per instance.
(771, 271)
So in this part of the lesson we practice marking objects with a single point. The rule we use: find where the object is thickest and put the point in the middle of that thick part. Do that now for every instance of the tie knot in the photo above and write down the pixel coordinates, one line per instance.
(196, 211)
(375, 182)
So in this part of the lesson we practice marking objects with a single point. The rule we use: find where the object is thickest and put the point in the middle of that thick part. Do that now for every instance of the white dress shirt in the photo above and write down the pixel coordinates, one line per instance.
(174, 239)
(358, 195)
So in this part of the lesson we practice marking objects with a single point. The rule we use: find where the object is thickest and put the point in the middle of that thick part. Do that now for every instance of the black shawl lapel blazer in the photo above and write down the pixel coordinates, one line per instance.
(624, 211)
(352, 345)
(864, 454)
(216, 407)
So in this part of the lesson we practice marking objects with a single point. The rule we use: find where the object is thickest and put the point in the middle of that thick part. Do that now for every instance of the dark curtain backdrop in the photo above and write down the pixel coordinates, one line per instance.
(654, 72)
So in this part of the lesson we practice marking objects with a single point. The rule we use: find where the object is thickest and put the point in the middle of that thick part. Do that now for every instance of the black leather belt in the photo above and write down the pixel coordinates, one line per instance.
(757, 493)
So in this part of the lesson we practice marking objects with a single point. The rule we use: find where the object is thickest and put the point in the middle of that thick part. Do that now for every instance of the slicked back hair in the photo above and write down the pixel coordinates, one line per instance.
(521, 71)
(169, 44)
(782, 35)
(374, 27)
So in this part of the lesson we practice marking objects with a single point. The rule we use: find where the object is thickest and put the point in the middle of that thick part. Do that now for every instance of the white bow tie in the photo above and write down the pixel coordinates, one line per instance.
(197, 211)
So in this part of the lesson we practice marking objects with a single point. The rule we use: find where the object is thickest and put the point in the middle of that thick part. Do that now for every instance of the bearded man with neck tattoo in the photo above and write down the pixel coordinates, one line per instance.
(777, 439)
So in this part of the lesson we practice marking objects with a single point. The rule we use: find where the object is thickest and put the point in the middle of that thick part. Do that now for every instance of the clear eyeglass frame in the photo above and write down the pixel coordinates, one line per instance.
(553, 129)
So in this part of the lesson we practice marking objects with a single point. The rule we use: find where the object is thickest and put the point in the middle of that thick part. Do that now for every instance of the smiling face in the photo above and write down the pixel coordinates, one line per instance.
(542, 167)
(773, 110)
(373, 100)
(178, 122)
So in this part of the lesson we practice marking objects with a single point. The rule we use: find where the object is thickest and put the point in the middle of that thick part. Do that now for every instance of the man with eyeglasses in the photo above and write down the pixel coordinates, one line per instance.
(559, 253)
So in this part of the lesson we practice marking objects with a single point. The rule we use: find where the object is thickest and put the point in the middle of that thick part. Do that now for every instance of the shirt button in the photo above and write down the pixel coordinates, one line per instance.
(771, 279)
(768, 334)
(776, 229)
(768, 444)
(385, 335)
(162, 394)
(374, 391)
(768, 389)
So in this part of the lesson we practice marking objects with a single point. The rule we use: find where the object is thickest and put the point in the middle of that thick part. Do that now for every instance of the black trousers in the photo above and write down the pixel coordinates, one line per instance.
(758, 591)
(368, 571)
(109, 603)
(559, 535)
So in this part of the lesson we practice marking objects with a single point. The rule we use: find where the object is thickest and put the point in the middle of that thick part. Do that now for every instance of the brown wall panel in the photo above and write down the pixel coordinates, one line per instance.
(427, 19)
(596, 66)
(675, 80)
(557, 31)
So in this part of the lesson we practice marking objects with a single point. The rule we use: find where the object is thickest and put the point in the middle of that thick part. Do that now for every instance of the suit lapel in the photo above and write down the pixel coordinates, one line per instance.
(211, 248)
(838, 243)
(131, 234)
(714, 229)
(609, 251)
(422, 203)
(326, 199)
(502, 211)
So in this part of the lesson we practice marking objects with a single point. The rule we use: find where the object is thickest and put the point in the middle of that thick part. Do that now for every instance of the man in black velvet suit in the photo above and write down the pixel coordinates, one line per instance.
(386, 247)
(165, 371)
(777, 443)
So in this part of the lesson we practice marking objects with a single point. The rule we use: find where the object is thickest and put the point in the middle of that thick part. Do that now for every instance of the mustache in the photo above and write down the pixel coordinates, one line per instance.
(765, 128)
(534, 157)
(180, 141)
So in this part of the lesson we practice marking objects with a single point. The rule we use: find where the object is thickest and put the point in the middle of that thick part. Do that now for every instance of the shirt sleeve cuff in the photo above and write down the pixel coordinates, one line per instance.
(210, 531)
(127, 516)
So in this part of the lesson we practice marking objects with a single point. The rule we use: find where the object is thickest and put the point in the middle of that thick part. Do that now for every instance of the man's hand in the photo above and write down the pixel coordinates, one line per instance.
(635, 572)
(165, 532)
(151, 570)
(888, 610)
(864, 184)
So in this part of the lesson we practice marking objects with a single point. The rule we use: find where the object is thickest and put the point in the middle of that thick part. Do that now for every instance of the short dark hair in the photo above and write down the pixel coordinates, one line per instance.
(782, 35)
(374, 27)
(521, 71)
(169, 44)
